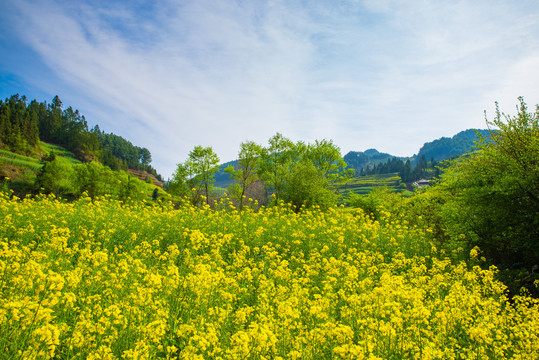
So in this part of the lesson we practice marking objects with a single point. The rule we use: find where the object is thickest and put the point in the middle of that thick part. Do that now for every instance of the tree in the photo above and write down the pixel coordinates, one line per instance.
(129, 187)
(91, 178)
(275, 164)
(56, 176)
(406, 172)
(493, 193)
(308, 188)
(326, 158)
(303, 174)
(145, 156)
(195, 175)
(316, 175)
(245, 175)
(5, 124)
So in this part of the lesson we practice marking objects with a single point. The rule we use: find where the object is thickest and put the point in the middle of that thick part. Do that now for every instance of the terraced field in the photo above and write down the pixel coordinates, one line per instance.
(59, 151)
(7, 157)
(365, 184)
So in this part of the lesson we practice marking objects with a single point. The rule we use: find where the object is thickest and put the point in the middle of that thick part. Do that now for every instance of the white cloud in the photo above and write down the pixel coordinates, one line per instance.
(384, 74)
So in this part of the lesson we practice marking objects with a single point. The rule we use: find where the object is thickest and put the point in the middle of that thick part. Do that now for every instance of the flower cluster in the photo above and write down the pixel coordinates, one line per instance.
(106, 280)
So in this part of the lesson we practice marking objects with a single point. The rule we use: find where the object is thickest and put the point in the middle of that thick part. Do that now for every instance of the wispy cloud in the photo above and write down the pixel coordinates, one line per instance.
(385, 74)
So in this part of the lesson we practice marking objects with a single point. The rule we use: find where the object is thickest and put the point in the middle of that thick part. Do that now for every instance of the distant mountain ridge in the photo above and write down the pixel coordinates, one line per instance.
(440, 149)
(222, 179)
(362, 159)
(447, 148)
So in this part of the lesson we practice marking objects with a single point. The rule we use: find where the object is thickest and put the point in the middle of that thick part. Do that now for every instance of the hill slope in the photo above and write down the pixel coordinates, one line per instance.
(447, 148)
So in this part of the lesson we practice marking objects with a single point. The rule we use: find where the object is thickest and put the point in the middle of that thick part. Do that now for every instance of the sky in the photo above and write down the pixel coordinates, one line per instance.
(169, 75)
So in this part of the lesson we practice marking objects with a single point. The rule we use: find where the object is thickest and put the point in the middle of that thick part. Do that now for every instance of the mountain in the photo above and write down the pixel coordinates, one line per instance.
(447, 148)
(438, 150)
(360, 160)
(222, 179)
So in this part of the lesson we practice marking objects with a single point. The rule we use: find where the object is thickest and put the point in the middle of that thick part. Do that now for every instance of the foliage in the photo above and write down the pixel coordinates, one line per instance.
(194, 177)
(308, 188)
(245, 174)
(275, 163)
(490, 198)
(18, 125)
(497, 189)
(55, 176)
(377, 202)
(120, 154)
(302, 174)
(102, 279)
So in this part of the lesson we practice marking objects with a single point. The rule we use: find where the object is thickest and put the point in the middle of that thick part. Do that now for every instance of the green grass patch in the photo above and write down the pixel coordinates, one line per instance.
(12, 155)
(20, 161)
(59, 151)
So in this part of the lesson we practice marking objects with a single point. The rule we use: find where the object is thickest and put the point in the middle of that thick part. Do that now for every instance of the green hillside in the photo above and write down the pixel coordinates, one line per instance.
(34, 162)
(447, 148)
(66, 175)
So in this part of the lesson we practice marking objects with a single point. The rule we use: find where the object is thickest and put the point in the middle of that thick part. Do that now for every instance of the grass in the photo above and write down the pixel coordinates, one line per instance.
(34, 163)
(59, 151)
(12, 155)
(22, 161)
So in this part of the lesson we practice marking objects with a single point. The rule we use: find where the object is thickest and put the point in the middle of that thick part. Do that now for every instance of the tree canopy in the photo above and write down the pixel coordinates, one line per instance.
(495, 190)
(194, 177)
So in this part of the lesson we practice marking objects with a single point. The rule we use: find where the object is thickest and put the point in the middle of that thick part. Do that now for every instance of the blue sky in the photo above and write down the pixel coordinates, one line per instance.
(170, 74)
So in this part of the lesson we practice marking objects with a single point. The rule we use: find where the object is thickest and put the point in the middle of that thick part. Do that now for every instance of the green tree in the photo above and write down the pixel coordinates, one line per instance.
(55, 176)
(246, 173)
(275, 163)
(91, 178)
(303, 174)
(316, 175)
(196, 175)
(330, 166)
(5, 124)
(378, 200)
(406, 172)
(493, 193)
(308, 188)
(145, 156)
(129, 187)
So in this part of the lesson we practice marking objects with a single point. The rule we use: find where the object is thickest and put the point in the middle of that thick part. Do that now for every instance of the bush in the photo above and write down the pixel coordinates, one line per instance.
(492, 195)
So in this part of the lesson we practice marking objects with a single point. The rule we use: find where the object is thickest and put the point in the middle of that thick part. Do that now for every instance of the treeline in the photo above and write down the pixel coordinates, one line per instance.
(301, 174)
(23, 125)
(59, 177)
(407, 172)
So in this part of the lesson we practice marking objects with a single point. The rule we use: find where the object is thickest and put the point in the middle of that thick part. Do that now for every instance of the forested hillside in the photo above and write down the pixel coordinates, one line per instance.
(23, 125)
(448, 148)
(367, 159)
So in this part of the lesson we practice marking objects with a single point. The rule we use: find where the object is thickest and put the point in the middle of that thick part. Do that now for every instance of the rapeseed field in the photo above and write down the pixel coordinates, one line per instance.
(106, 280)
